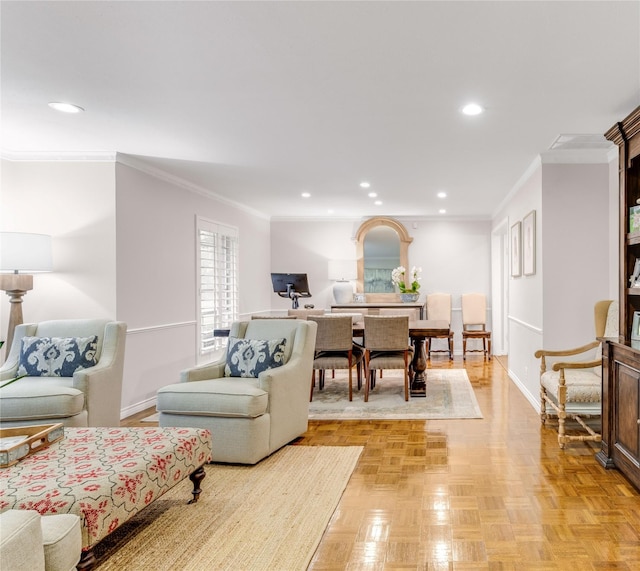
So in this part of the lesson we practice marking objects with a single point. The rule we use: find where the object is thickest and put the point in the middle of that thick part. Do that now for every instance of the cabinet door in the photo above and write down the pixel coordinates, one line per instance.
(625, 414)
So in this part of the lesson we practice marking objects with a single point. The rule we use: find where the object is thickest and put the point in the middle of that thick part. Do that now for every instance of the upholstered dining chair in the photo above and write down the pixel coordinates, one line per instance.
(386, 343)
(474, 322)
(573, 388)
(335, 349)
(73, 373)
(439, 307)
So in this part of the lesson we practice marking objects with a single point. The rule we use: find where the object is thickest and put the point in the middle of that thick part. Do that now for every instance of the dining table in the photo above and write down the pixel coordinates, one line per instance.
(419, 331)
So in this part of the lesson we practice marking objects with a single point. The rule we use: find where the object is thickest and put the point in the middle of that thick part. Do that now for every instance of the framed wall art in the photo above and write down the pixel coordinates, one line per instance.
(529, 244)
(516, 258)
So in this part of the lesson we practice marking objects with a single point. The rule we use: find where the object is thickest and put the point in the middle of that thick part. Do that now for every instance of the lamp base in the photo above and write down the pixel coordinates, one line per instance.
(343, 292)
(16, 285)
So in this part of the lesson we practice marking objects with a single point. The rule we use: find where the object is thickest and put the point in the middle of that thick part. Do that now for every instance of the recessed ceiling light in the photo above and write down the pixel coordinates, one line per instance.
(442, 211)
(372, 194)
(442, 194)
(365, 184)
(378, 202)
(305, 194)
(65, 107)
(472, 109)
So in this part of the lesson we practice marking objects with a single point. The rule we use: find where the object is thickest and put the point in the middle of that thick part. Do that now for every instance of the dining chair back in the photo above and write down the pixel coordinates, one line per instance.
(474, 320)
(386, 342)
(439, 307)
(335, 349)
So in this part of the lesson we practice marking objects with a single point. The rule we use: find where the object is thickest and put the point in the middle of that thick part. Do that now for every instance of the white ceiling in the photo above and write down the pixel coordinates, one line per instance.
(260, 101)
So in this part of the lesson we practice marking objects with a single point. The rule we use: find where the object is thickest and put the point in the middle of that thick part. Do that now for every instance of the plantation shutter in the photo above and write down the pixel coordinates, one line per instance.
(218, 281)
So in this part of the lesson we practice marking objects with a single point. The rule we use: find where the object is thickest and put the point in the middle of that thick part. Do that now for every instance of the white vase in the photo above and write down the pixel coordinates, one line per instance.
(343, 292)
(409, 297)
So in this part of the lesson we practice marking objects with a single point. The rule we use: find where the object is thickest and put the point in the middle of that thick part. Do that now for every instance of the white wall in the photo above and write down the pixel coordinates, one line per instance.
(576, 220)
(74, 202)
(455, 257)
(124, 248)
(156, 276)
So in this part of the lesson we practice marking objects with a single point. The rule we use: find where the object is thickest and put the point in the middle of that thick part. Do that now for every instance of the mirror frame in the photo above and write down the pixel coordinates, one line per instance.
(405, 240)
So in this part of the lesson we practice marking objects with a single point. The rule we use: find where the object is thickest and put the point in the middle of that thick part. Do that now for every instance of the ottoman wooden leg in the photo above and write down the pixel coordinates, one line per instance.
(196, 477)
(87, 561)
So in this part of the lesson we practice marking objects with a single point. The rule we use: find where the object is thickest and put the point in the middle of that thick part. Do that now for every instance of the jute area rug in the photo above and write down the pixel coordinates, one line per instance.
(269, 516)
(449, 395)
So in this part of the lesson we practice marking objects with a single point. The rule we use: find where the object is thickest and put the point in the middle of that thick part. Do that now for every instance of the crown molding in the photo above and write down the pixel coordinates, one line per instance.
(155, 172)
(577, 156)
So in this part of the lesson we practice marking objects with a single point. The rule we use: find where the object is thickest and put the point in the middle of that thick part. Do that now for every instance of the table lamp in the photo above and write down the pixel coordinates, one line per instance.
(21, 255)
(341, 271)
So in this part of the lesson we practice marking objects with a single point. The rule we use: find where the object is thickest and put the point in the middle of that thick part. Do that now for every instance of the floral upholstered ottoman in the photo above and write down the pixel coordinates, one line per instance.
(105, 475)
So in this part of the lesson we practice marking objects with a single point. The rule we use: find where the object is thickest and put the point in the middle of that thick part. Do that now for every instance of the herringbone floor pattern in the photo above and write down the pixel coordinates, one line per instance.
(485, 494)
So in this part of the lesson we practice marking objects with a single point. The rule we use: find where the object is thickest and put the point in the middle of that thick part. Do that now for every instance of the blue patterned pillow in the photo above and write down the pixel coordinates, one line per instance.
(56, 356)
(249, 357)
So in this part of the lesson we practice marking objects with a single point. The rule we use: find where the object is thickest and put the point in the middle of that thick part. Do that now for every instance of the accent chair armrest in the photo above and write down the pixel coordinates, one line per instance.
(542, 354)
(576, 365)
(567, 352)
(214, 370)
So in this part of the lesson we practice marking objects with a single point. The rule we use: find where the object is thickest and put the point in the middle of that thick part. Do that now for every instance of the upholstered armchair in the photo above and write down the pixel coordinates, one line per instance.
(73, 373)
(255, 399)
(572, 387)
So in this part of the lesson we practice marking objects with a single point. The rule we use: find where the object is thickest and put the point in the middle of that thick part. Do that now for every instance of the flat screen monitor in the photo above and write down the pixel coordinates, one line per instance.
(284, 283)
(292, 286)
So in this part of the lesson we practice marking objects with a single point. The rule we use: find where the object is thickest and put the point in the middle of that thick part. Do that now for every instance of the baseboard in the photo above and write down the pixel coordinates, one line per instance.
(534, 400)
(138, 407)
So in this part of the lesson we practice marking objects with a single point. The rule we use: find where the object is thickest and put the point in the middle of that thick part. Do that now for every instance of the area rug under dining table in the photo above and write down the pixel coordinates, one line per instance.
(449, 395)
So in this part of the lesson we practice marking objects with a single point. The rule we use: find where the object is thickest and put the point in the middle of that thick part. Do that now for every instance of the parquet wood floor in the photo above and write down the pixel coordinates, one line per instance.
(484, 494)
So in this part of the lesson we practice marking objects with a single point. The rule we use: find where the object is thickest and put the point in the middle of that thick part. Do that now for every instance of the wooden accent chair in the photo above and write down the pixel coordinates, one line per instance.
(474, 321)
(573, 389)
(439, 307)
(386, 342)
(335, 349)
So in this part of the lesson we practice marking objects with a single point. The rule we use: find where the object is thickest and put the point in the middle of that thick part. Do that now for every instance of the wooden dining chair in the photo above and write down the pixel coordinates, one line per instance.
(439, 307)
(335, 349)
(386, 343)
(474, 319)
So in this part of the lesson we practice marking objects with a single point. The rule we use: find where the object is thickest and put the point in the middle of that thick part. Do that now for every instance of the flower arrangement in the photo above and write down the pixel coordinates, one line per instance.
(398, 277)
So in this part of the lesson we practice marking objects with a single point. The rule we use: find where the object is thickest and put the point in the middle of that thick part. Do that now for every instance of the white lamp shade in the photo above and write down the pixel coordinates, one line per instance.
(27, 253)
(342, 270)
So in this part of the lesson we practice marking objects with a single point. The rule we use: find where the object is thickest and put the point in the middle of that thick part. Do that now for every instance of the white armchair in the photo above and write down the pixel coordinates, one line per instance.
(249, 417)
(87, 397)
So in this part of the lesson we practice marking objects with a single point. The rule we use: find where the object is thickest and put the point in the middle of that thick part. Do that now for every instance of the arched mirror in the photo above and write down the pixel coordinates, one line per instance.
(382, 244)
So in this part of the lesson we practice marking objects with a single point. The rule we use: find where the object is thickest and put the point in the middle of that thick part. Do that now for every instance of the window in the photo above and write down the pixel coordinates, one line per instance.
(218, 281)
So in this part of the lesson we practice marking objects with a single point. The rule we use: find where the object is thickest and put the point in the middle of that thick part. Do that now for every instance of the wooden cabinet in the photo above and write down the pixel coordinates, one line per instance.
(626, 135)
(621, 410)
(621, 357)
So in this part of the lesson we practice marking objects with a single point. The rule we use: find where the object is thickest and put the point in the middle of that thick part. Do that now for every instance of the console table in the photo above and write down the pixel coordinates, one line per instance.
(373, 308)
